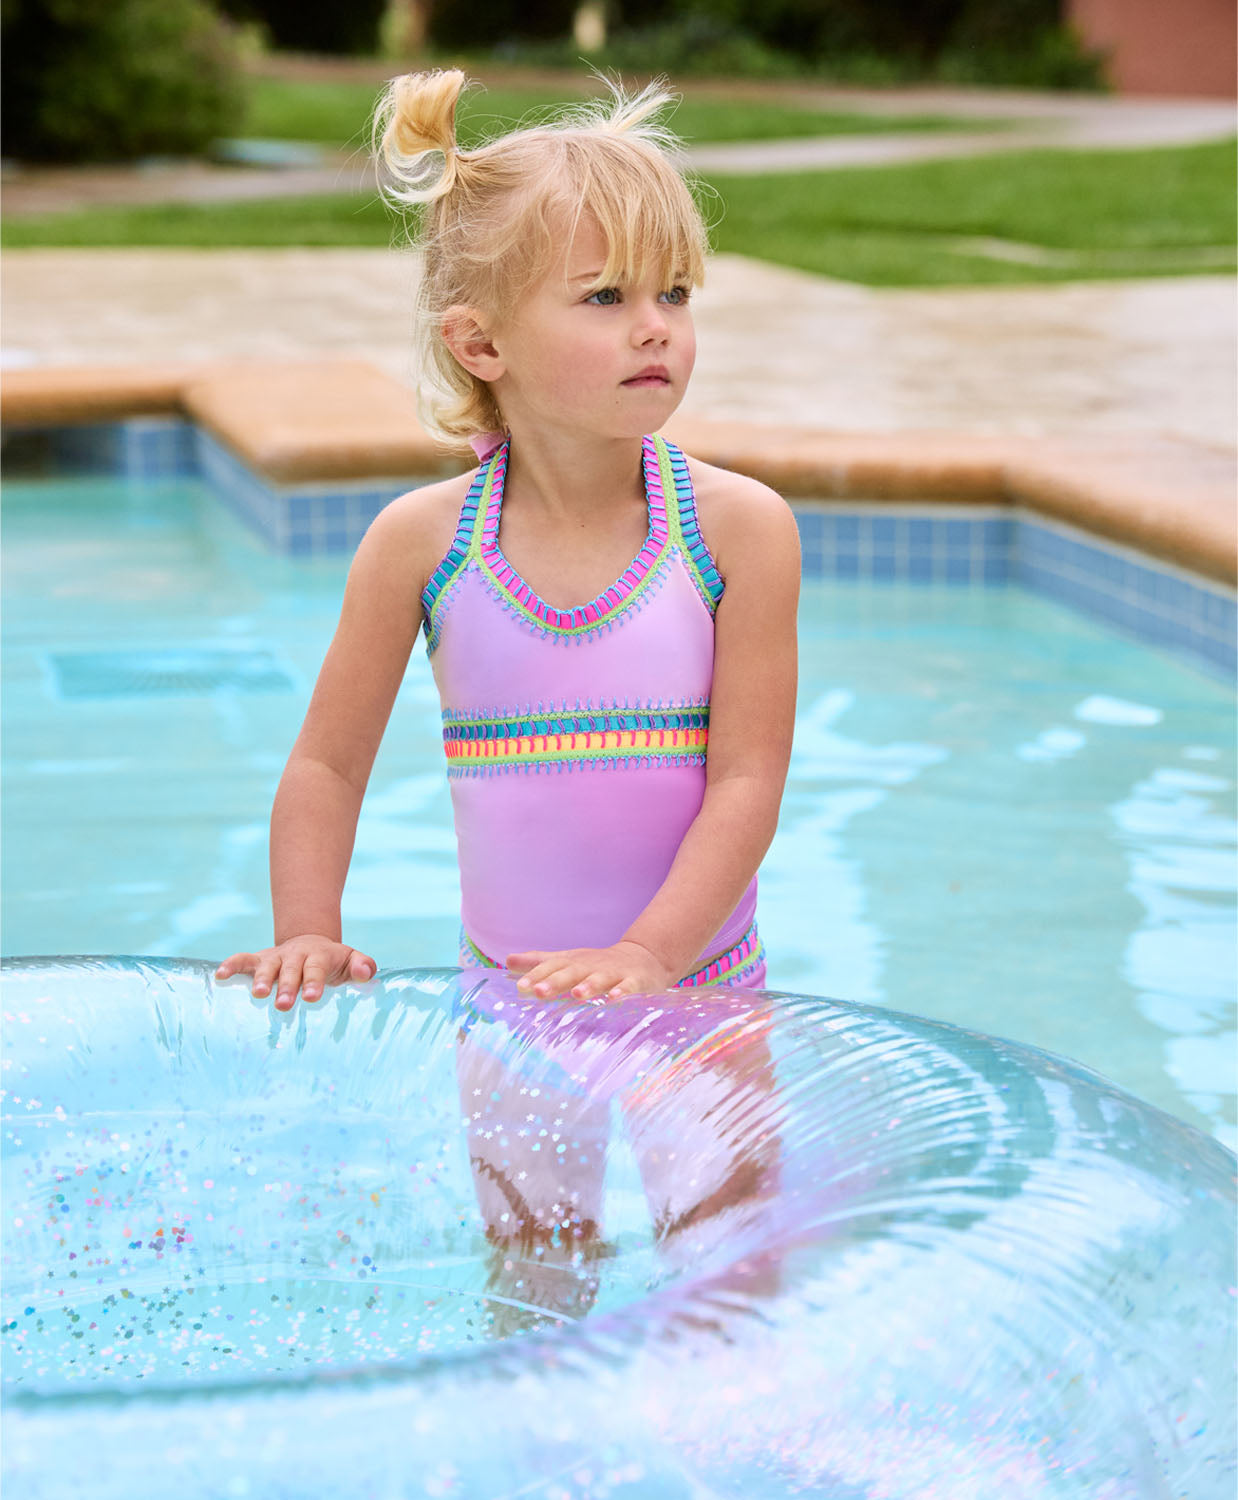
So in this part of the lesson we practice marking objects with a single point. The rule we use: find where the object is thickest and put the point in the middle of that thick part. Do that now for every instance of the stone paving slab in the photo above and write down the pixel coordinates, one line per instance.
(307, 421)
(774, 345)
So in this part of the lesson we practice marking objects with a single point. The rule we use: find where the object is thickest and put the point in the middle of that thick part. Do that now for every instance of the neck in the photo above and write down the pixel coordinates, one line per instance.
(569, 476)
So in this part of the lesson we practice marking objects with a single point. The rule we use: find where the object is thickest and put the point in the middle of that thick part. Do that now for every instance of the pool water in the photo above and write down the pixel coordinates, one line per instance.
(998, 814)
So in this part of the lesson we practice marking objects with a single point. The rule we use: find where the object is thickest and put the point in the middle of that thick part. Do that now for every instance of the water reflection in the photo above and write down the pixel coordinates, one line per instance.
(1180, 958)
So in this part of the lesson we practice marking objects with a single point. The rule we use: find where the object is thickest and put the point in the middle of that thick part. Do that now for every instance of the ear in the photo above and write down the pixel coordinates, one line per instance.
(465, 335)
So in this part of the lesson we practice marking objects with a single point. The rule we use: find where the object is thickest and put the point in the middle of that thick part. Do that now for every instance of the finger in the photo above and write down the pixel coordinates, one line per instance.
(265, 971)
(289, 984)
(538, 972)
(313, 979)
(518, 962)
(361, 966)
(237, 963)
(592, 984)
(557, 980)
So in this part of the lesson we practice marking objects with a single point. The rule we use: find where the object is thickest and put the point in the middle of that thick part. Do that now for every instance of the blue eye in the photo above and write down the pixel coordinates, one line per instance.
(607, 296)
(677, 296)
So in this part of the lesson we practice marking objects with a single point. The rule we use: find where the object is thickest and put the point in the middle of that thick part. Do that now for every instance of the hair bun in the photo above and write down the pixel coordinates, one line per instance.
(414, 120)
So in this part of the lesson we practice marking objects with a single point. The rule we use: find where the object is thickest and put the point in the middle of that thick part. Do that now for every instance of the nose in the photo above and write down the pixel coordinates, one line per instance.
(650, 325)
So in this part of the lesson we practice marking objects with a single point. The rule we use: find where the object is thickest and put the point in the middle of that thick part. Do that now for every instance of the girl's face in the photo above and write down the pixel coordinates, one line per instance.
(613, 362)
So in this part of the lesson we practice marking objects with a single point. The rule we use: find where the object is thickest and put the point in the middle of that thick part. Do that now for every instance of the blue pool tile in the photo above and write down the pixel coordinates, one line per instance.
(95, 448)
(1171, 592)
(846, 531)
(920, 531)
(958, 568)
(812, 527)
(1039, 542)
(1219, 612)
(995, 568)
(920, 567)
(883, 567)
(846, 565)
(812, 562)
(882, 532)
(959, 535)
(1145, 583)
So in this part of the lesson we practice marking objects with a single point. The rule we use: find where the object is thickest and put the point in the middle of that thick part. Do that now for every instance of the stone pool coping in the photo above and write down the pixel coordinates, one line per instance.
(302, 422)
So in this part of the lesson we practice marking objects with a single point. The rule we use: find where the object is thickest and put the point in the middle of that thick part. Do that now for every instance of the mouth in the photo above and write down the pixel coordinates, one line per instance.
(655, 375)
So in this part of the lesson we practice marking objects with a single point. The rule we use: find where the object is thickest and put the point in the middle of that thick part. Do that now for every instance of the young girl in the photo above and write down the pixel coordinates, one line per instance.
(616, 764)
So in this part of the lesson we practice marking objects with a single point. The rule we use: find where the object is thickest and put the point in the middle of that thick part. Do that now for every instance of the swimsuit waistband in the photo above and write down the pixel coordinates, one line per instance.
(739, 963)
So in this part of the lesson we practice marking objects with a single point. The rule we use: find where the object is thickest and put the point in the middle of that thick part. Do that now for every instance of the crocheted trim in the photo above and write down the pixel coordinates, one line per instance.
(735, 965)
(631, 606)
(583, 618)
(676, 735)
(476, 539)
(685, 524)
(463, 545)
(732, 967)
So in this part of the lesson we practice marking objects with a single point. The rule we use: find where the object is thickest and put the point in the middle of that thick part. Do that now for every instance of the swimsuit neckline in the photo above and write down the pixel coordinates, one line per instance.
(612, 599)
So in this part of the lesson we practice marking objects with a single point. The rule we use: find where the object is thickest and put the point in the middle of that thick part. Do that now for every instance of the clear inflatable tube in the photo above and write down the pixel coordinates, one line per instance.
(430, 1238)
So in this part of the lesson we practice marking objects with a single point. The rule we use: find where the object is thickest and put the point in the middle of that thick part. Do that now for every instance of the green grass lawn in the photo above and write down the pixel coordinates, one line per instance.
(1064, 215)
(336, 113)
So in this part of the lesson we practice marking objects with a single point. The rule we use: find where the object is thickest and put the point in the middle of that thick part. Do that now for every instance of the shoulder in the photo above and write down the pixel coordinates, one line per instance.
(743, 521)
(411, 535)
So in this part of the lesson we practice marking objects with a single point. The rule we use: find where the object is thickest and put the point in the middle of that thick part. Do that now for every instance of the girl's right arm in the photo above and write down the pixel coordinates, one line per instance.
(314, 819)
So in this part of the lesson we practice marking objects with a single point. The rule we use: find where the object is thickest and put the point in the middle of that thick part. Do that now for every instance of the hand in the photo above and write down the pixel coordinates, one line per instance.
(305, 963)
(583, 973)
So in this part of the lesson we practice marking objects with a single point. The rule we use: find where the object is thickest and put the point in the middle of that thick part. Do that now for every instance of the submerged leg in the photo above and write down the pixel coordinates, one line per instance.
(538, 1155)
(706, 1140)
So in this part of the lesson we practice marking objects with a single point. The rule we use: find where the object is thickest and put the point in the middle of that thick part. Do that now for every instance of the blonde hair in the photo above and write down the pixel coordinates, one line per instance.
(495, 217)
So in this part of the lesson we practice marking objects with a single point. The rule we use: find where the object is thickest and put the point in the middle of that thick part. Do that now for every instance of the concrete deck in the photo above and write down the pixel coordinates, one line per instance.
(1152, 357)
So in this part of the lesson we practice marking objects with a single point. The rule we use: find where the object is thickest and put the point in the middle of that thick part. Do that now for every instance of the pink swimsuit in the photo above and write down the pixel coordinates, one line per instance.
(576, 738)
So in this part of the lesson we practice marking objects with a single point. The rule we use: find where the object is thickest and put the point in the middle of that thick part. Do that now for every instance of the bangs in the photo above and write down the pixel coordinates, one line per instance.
(651, 225)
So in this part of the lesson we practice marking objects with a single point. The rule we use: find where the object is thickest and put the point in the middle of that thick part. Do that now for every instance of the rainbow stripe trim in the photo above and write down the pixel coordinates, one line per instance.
(732, 967)
(679, 734)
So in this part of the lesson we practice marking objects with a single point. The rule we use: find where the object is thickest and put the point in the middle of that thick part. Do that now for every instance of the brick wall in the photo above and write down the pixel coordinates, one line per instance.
(1163, 46)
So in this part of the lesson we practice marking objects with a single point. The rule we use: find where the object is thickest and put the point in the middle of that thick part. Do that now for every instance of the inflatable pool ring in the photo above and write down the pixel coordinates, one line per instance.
(823, 1249)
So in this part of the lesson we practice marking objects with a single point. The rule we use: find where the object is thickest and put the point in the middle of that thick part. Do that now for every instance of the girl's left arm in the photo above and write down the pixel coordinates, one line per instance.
(755, 543)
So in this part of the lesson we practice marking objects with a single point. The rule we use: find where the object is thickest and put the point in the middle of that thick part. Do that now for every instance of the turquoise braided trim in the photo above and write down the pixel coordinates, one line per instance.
(463, 545)
(471, 953)
(685, 526)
